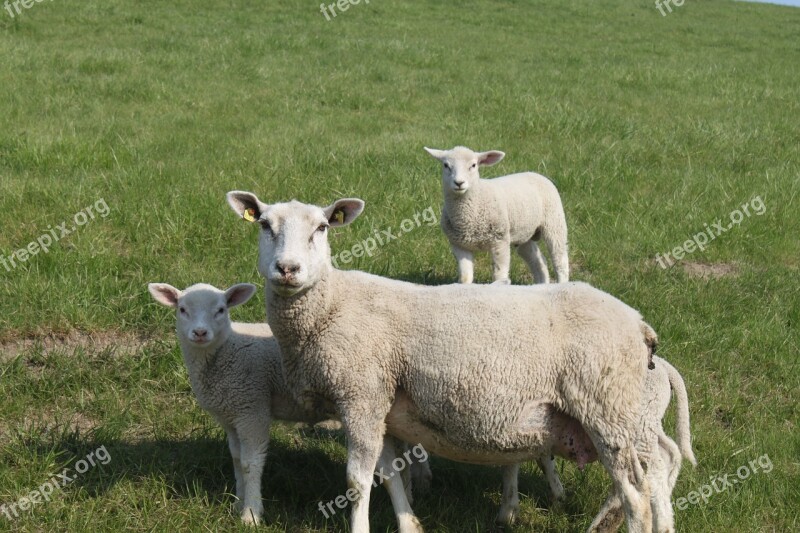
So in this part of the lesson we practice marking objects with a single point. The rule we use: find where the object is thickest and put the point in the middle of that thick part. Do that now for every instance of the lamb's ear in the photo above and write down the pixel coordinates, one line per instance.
(239, 294)
(436, 154)
(246, 205)
(164, 294)
(492, 157)
(344, 211)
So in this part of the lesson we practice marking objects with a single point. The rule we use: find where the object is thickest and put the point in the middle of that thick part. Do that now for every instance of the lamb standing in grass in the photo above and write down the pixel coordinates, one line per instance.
(482, 215)
(473, 373)
(237, 376)
(663, 470)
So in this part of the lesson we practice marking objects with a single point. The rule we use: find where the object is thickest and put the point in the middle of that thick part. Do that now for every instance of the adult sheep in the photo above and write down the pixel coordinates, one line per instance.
(471, 372)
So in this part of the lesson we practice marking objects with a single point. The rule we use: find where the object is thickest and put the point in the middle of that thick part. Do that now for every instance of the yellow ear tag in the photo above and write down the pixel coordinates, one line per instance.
(339, 216)
(249, 214)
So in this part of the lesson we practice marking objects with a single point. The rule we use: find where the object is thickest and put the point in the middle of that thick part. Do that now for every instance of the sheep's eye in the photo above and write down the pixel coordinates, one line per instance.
(182, 310)
(220, 310)
(473, 165)
(322, 228)
(265, 226)
(447, 166)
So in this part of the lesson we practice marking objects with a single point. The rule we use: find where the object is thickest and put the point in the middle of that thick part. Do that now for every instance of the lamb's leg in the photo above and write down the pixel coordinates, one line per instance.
(529, 251)
(557, 246)
(548, 466)
(659, 472)
(465, 264)
(365, 429)
(254, 441)
(501, 260)
(421, 475)
(233, 445)
(407, 522)
(510, 507)
(671, 455)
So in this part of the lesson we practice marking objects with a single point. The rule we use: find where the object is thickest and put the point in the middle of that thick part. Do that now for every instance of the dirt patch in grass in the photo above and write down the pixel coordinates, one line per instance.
(114, 342)
(709, 270)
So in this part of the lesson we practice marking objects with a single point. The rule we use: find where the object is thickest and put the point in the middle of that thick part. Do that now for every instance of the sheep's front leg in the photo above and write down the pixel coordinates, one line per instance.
(364, 444)
(465, 261)
(233, 445)
(501, 260)
(254, 440)
(510, 507)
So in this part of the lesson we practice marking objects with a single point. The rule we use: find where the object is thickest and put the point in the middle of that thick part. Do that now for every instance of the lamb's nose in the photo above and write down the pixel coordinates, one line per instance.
(200, 333)
(458, 183)
(287, 267)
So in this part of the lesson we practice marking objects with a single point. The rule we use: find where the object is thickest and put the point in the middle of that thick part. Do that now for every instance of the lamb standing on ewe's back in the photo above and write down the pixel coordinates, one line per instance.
(471, 372)
(481, 215)
(236, 374)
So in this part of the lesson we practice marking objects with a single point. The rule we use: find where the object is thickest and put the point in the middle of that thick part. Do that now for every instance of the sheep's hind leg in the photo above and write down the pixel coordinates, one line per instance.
(622, 464)
(529, 251)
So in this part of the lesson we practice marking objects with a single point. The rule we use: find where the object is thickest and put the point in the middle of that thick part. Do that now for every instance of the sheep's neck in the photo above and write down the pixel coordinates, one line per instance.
(464, 209)
(295, 320)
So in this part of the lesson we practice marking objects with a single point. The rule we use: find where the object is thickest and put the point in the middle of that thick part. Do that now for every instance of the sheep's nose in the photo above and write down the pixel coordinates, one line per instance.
(287, 267)
(200, 333)
(458, 183)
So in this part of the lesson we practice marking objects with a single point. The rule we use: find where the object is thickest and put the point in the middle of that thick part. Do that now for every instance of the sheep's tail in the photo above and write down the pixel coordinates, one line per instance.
(651, 340)
(682, 414)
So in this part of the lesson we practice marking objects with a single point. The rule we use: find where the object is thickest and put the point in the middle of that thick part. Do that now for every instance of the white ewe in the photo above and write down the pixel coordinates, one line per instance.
(472, 372)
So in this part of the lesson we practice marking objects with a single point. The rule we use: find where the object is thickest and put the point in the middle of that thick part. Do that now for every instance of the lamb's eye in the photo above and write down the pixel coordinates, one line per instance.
(220, 310)
(265, 226)
(447, 166)
(182, 310)
(473, 165)
(322, 228)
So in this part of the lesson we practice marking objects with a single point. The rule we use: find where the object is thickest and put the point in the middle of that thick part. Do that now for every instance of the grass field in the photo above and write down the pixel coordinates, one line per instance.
(653, 127)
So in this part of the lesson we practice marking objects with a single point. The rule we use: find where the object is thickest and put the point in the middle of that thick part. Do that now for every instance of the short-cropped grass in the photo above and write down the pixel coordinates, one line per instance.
(653, 127)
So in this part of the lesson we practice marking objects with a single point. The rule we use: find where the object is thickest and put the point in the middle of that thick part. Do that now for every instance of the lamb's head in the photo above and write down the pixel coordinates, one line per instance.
(293, 249)
(460, 167)
(202, 310)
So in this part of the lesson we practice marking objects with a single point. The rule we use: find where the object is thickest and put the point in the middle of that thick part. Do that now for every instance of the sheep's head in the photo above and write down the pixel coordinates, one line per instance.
(293, 250)
(460, 167)
(202, 310)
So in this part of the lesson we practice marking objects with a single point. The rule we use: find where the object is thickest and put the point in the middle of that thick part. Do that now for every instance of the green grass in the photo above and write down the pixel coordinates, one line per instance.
(650, 126)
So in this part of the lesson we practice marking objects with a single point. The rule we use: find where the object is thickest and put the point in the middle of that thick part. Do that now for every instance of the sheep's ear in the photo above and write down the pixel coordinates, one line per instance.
(164, 294)
(344, 211)
(246, 205)
(239, 294)
(492, 157)
(436, 154)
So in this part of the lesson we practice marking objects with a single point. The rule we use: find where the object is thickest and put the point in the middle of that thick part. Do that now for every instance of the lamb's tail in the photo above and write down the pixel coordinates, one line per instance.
(682, 414)
(651, 340)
